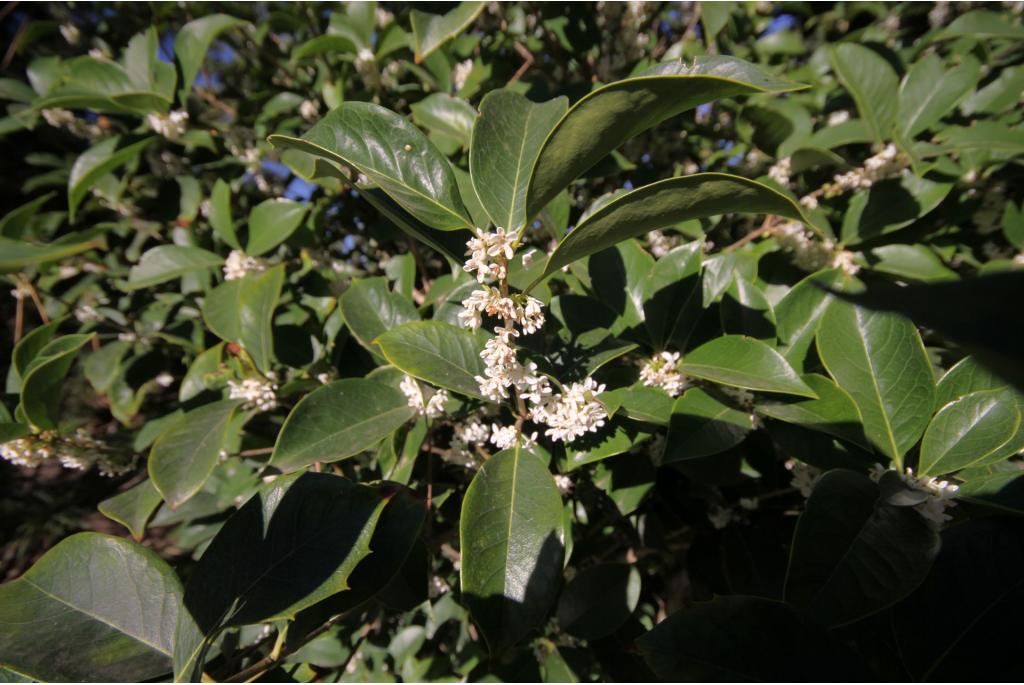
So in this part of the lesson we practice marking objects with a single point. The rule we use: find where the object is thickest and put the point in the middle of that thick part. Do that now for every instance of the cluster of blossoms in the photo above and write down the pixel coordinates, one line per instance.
(720, 517)
(660, 244)
(810, 254)
(80, 451)
(430, 407)
(940, 493)
(238, 264)
(171, 126)
(259, 394)
(309, 110)
(661, 372)
(460, 73)
(66, 119)
(745, 399)
(780, 171)
(568, 414)
(805, 476)
(886, 163)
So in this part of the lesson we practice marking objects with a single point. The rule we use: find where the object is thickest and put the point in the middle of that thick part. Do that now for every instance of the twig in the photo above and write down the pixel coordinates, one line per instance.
(528, 57)
(35, 298)
(260, 451)
(767, 225)
(19, 314)
(273, 659)
(13, 49)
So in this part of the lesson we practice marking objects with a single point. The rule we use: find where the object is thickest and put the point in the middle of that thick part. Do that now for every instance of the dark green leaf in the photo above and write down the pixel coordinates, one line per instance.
(969, 431)
(599, 600)
(100, 159)
(431, 31)
(191, 43)
(438, 353)
(744, 363)
(42, 379)
(833, 412)
(371, 309)
(167, 262)
(133, 507)
(872, 83)
(701, 425)
(271, 222)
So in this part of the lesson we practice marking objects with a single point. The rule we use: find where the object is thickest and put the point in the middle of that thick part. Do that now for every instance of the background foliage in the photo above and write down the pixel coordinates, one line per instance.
(208, 333)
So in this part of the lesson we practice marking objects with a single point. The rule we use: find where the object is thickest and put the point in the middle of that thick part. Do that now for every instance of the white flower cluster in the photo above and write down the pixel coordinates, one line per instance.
(70, 33)
(810, 254)
(941, 494)
(720, 517)
(309, 110)
(660, 244)
(460, 73)
(489, 254)
(661, 372)
(238, 264)
(570, 414)
(79, 451)
(465, 438)
(838, 117)
(886, 163)
(430, 407)
(258, 393)
(805, 476)
(563, 483)
(66, 119)
(521, 309)
(781, 171)
(87, 314)
(171, 126)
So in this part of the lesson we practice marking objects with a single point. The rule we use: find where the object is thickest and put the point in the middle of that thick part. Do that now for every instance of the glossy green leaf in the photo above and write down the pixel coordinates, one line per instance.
(391, 153)
(191, 43)
(117, 601)
(133, 507)
(619, 276)
(451, 244)
(745, 310)
(911, 262)
(203, 367)
(100, 159)
(672, 296)
(664, 203)
(745, 639)
(260, 294)
(167, 262)
(963, 378)
(880, 361)
(18, 255)
(371, 309)
(293, 544)
(27, 350)
(440, 354)
(612, 114)
(599, 600)
(337, 421)
(507, 138)
(14, 222)
(834, 412)
(220, 214)
(445, 115)
(872, 83)
(744, 363)
(853, 553)
(183, 457)
(42, 379)
(431, 31)
(930, 90)
(797, 314)
(980, 24)
(271, 222)
(702, 425)
(969, 431)
(512, 546)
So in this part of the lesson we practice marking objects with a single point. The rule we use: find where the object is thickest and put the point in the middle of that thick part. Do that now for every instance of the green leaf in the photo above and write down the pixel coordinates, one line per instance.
(393, 154)
(980, 24)
(113, 599)
(447, 116)
(969, 431)
(744, 363)
(371, 309)
(183, 457)
(880, 361)
(18, 255)
(42, 380)
(834, 412)
(438, 353)
(963, 378)
(930, 90)
(206, 364)
(612, 114)
(97, 161)
(745, 310)
(798, 312)
(890, 205)
(27, 350)
(191, 43)
(1002, 490)
(271, 222)
(512, 546)
(258, 300)
(507, 138)
(853, 553)
(599, 600)
(167, 262)
(451, 244)
(221, 308)
(133, 507)
(290, 546)
(15, 222)
(431, 31)
(337, 421)
(701, 425)
(672, 296)
(912, 262)
(751, 639)
(872, 83)
(665, 203)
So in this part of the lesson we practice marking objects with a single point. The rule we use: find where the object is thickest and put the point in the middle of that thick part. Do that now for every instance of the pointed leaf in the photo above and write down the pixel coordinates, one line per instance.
(969, 431)
(371, 309)
(930, 90)
(18, 255)
(744, 363)
(797, 314)
(258, 300)
(438, 353)
(220, 214)
(271, 222)
(191, 44)
(42, 379)
(98, 160)
(701, 425)
(167, 262)
(133, 507)
(431, 31)
(834, 412)
(872, 83)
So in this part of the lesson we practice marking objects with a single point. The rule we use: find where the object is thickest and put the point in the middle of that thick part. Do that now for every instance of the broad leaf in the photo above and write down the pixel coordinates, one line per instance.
(612, 114)
(969, 431)
(853, 553)
(797, 314)
(371, 309)
(873, 84)
(880, 361)
(271, 222)
(42, 379)
(599, 600)
(100, 159)
(744, 363)
(191, 43)
(431, 31)
(512, 546)
(446, 116)
(337, 421)
(834, 412)
(167, 262)
(438, 353)
(133, 507)
(258, 300)
(507, 138)
(116, 600)
(702, 425)
(930, 90)
(183, 457)
(672, 296)
(220, 214)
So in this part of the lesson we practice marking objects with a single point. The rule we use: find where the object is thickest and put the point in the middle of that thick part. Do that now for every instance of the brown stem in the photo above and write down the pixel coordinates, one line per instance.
(260, 451)
(19, 315)
(769, 223)
(271, 660)
(35, 299)
(528, 57)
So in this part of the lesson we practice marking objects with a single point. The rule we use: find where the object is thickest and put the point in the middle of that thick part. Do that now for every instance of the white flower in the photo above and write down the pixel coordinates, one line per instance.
(460, 73)
(809, 201)
(383, 17)
(780, 171)
(840, 117)
(238, 264)
(431, 407)
(720, 517)
(484, 248)
(749, 503)
(70, 33)
(886, 163)
(164, 380)
(503, 437)
(364, 56)
(660, 372)
(563, 483)
(941, 494)
(323, 378)
(805, 476)
(528, 258)
(572, 413)
(171, 126)
(259, 394)
(87, 313)
(58, 118)
(309, 110)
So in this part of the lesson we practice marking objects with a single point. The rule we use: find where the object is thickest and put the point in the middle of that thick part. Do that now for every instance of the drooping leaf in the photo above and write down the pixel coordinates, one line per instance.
(438, 353)
(42, 378)
(969, 431)
(258, 300)
(512, 546)
(271, 222)
(220, 214)
(507, 138)
(100, 159)
(672, 296)
(167, 262)
(337, 421)
(614, 113)
(117, 601)
(800, 310)
(133, 507)
(744, 363)
(855, 554)
(880, 361)
(18, 255)
(183, 457)
(431, 31)
(14, 222)
(191, 43)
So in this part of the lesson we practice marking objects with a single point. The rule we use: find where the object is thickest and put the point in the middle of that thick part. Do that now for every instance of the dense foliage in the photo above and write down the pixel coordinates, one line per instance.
(561, 342)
